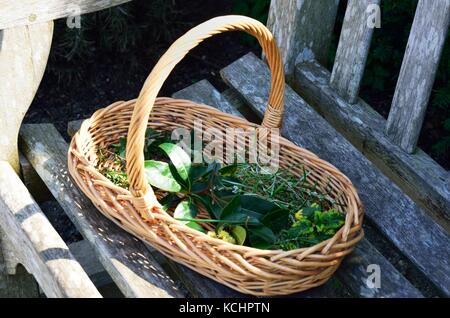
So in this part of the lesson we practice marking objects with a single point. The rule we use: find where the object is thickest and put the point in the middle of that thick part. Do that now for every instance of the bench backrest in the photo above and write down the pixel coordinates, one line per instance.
(303, 30)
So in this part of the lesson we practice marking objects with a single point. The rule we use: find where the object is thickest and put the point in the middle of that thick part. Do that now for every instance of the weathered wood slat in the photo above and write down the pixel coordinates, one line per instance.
(418, 175)
(302, 28)
(85, 255)
(415, 234)
(15, 282)
(36, 243)
(420, 63)
(354, 273)
(23, 57)
(32, 181)
(125, 258)
(203, 92)
(353, 49)
(26, 12)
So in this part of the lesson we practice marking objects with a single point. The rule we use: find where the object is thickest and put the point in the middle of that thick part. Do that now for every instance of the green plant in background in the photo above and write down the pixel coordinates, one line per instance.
(443, 145)
(279, 210)
(256, 9)
(119, 29)
(388, 44)
(440, 102)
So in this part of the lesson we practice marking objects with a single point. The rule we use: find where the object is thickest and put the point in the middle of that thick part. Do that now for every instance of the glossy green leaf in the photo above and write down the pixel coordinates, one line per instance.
(179, 158)
(196, 226)
(199, 171)
(234, 213)
(263, 232)
(214, 210)
(199, 187)
(257, 204)
(169, 201)
(185, 210)
(239, 233)
(158, 174)
(276, 220)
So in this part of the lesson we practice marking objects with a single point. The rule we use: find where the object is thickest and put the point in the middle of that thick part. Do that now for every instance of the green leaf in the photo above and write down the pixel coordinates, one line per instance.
(186, 210)
(199, 187)
(328, 222)
(153, 139)
(261, 237)
(214, 210)
(239, 234)
(179, 159)
(199, 171)
(196, 226)
(158, 175)
(120, 148)
(234, 212)
(228, 171)
(276, 220)
(257, 204)
(169, 201)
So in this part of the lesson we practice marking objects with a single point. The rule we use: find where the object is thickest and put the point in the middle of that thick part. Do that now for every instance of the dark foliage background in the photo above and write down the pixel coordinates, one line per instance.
(108, 58)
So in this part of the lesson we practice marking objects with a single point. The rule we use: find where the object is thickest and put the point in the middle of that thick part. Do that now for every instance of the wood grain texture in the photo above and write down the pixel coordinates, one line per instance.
(125, 258)
(302, 28)
(10, 261)
(85, 255)
(32, 181)
(420, 63)
(354, 272)
(415, 234)
(416, 174)
(353, 49)
(203, 92)
(36, 243)
(15, 281)
(23, 57)
(20, 285)
(28, 12)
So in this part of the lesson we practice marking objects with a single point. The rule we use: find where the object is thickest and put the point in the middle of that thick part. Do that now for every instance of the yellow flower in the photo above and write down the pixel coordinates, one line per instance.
(225, 236)
(299, 215)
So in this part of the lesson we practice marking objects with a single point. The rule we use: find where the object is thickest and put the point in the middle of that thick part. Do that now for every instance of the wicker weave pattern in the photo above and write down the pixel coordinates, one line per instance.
(246, 269)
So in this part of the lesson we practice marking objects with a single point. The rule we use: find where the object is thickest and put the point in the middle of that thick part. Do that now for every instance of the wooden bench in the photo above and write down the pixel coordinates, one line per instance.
(407, 233)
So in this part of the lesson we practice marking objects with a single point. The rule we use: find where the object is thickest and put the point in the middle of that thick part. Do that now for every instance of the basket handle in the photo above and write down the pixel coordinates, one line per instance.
(141, 191)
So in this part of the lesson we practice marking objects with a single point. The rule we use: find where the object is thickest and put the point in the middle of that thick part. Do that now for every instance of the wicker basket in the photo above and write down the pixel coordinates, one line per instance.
(246, 269)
